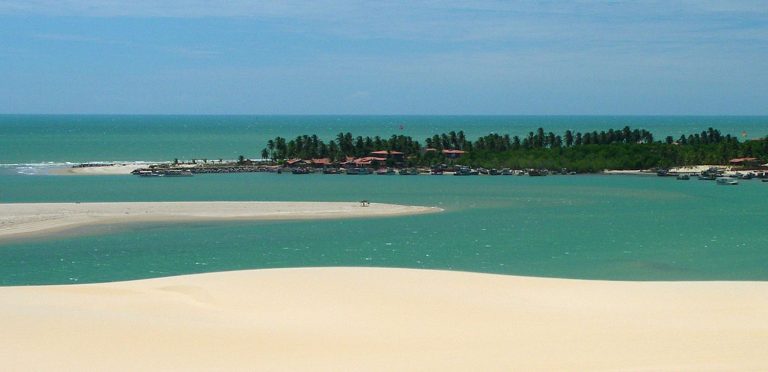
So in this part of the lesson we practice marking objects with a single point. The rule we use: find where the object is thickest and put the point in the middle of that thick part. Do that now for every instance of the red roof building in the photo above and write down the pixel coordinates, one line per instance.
(321, 162)
(453, 154)
(742, 160)
(291, 162)
(385, 152)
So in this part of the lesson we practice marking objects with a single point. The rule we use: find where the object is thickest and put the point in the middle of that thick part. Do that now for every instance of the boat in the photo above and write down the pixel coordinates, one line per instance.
(359, 171)
(683, 177)
(409, 172)
(300, 171)
(386, 172)
(727, 181)
(494, 172)
(537, 172)
(465, 171)
(177, 173)
(163, 173)
(147, 173)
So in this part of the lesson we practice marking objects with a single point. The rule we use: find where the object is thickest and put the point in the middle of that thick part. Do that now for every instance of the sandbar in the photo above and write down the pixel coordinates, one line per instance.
(106, 170)
(28, 219)
(375, 319)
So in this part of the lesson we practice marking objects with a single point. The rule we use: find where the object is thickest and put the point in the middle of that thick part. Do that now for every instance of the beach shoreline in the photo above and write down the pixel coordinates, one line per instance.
(22, 220)
(101, 170)
(384, 319)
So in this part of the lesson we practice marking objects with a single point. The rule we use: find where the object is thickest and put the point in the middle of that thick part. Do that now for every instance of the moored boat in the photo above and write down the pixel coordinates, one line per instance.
(177, 173)
(359, 171)
(147, 174)
(465, 171)
(409, 172)
(727, 181)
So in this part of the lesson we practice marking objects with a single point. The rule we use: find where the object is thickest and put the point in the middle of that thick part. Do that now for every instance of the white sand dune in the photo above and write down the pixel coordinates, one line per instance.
(384, 319)
(25, 219)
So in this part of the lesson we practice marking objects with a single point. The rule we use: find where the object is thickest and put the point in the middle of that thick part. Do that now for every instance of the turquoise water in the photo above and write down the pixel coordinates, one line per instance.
(594, 227)
(597, 227)
(77, 138)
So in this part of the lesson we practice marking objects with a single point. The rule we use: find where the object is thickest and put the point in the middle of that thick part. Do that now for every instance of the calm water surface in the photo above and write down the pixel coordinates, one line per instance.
(600, 227)
(34, 139)
(596, 227)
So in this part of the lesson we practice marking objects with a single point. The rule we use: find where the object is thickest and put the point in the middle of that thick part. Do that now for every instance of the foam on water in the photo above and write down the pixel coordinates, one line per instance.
(45, 168)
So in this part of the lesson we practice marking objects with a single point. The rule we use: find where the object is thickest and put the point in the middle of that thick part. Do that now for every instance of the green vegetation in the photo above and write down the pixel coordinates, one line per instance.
(585, 152)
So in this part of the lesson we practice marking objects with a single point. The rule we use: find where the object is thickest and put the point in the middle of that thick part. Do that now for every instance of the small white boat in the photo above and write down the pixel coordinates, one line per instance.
(727, 181)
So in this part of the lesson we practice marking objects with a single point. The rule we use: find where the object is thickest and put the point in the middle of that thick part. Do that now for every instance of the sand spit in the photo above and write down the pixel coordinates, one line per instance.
(384, 319)
(25, 219)
(107, 170)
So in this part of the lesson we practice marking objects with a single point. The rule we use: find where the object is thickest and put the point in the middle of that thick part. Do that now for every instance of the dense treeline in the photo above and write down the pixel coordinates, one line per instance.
(590, 151)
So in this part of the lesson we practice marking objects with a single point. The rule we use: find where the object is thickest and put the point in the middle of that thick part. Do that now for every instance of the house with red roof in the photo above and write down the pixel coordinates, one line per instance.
(396, 156)
(453, 154)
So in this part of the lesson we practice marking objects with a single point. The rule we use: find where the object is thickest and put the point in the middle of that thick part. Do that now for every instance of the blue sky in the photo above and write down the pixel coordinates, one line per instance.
(384, 57)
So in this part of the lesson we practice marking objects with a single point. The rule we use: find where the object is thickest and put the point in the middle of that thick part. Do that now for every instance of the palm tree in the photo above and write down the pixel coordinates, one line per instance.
(271, 147)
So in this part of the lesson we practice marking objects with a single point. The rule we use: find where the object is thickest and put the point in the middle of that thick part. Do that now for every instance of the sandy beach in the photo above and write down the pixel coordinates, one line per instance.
(384, 319)
(28, 219)
(107, 170)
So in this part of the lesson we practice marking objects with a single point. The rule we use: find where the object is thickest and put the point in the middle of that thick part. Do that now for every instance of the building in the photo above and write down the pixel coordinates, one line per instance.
(453, 154)
(396, 156)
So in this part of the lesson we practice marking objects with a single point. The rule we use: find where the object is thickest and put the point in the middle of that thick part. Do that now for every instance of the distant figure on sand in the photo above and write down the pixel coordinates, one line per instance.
(364, 203)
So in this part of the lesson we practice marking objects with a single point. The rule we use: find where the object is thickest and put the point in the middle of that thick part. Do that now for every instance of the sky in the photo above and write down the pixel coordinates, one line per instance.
(643, 57)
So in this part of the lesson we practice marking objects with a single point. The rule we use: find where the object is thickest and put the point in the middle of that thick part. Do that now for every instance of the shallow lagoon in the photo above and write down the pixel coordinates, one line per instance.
(592, 227)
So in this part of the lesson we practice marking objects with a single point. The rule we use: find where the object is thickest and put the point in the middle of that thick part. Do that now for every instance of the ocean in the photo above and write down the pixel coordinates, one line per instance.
(585, 226)
(40, 139)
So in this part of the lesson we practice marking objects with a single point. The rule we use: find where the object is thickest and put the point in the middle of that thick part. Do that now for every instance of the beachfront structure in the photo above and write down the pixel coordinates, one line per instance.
(745, 162)
(396, 156)
(315, 163)
(448, 153)
(321, 163)
(296, 162)
(368, 161)
(453, 154)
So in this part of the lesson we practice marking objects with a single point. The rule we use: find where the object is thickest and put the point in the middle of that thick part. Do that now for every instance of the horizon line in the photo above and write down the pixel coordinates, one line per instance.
(340, 114)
